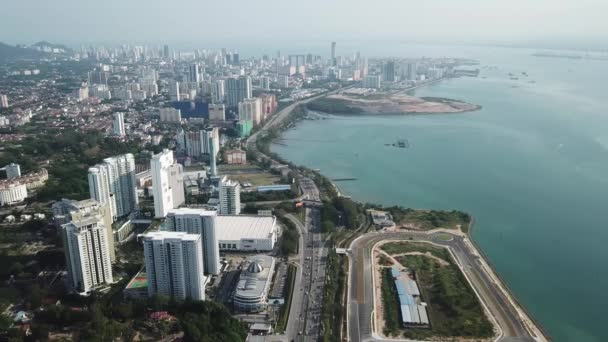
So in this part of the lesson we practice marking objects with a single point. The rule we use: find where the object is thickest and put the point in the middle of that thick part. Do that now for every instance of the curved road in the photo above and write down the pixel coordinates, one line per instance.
(513, 322)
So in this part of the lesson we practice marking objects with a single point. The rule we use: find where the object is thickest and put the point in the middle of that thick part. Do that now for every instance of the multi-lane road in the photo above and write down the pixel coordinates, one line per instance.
(512, 321)
(304, 322)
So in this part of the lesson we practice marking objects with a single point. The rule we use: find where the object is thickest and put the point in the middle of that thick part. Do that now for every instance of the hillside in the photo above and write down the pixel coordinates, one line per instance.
(9, 53)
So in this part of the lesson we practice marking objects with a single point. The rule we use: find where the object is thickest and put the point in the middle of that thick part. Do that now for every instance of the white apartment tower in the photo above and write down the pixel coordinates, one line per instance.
(203, 223)
(113, 182)
(211, 133)
(251, 110)
(230, 197)
(87, 252)
(174, 264)
(167, 183)
(118, 125)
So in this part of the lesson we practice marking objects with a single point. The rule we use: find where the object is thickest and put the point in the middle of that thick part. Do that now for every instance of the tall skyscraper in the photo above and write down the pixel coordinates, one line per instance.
(388, 71)
(238, 89)
(113, 182)
(333, 53)
(87, 252)
(174, 93)
(210, 133)
(3, 101)
(212, 158)
(203, 223)
(193, 74)
(160, 165)
(174, 264)
(412, 71)
(230, 197)
(218, 90)
(265, 83)
(166, 52)
(118, 125)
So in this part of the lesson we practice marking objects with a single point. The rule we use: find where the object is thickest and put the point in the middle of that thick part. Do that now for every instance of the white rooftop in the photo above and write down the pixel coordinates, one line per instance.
(162, 235)
(193, 211)
(235, 227)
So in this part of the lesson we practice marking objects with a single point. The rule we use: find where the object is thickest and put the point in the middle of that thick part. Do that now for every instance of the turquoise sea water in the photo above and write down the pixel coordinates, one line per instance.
(531, 166)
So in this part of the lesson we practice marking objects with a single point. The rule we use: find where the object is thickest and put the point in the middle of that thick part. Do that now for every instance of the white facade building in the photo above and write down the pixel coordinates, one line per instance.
(87, 252)
(118, 125)
(113, 182)
(170, 115)
(212, 133)
(167, 183)
(254, 284)
(246, 232)
(371, 81)
(174, 264)
(3, 101)
(67, 210)
(230, 197)
(251, 110)
(203, 223)
(12, 193)
(217, 112)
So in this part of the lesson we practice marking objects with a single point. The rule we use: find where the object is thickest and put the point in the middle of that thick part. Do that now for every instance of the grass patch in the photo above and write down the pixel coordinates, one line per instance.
(333, 310)
(406, 247)
(256, 179)
(444, 237)
(430, 219)
(453, 307)
(284, 312)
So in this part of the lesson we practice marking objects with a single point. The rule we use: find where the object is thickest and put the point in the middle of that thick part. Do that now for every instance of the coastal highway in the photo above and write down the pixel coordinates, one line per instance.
(304, 323)
(513, 322)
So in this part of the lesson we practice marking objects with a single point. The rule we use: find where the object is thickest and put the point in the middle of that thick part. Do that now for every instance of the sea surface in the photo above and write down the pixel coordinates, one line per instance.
(531, 167)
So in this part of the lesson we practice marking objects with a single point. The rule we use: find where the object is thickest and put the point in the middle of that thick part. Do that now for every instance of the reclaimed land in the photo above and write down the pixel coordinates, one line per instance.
(346, 104)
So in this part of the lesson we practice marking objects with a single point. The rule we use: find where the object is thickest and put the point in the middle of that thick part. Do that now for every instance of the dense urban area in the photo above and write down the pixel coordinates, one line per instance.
(141, 201)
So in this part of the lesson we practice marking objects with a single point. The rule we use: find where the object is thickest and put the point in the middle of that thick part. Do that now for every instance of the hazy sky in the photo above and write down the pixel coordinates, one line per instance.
(194, 21)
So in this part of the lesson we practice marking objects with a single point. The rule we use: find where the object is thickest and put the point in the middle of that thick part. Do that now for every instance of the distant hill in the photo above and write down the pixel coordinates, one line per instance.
(9, 53)
(50, 47)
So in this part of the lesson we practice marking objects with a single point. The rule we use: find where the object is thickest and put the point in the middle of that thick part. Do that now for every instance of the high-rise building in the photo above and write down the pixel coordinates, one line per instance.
(203, 223)
(412, 71)
(98, 77)
(12, 171)
(113, 182)
(87, 252)
(371, 81)
(218, 89)
(210, 133)
(118, 125)
(265, 83)
(251, 110)
(193, 74)
(283, 81)
(235, 58)
(230, 197)
(166, 52)
(388, 71)
(67, 210)
(161, 182)
(3, 101)
(174, 93)
(269, 104)
(174, 264)
(170, 115)
(237, 90)
(212, 158)
(333, 53)
(217, 112)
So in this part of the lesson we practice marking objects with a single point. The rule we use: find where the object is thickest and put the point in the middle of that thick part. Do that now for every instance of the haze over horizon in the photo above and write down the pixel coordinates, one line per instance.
(543, 23)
